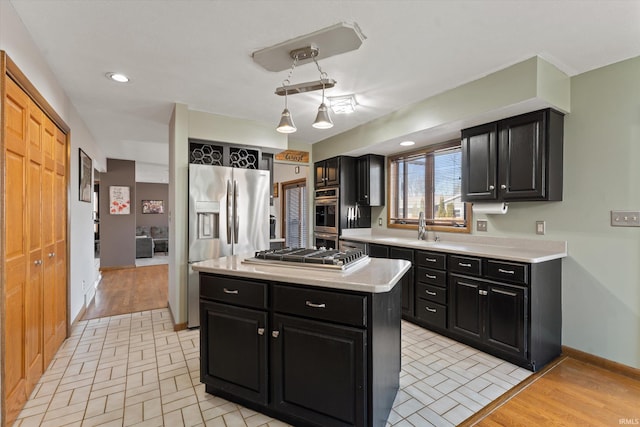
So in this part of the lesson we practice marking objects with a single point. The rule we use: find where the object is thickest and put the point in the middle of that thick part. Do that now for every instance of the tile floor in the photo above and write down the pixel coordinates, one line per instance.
(133, 369)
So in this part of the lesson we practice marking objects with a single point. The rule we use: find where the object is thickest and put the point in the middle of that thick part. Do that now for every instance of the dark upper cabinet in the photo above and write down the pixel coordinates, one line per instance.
(519, 158)
(370, 182)
(480, 162)
(327, 172)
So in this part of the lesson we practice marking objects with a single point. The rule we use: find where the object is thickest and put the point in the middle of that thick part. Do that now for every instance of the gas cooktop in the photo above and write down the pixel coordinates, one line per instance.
(316, 258)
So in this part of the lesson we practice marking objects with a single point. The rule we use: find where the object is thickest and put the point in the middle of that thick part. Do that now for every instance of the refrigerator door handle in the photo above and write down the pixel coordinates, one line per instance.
(229, 213)
(236, 220)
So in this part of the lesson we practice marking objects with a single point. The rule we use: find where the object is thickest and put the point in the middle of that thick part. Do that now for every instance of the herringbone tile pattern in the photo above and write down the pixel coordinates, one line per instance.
(133, 369)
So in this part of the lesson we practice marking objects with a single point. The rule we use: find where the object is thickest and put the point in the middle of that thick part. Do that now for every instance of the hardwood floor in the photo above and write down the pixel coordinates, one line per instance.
(130, 290)
(568, 393)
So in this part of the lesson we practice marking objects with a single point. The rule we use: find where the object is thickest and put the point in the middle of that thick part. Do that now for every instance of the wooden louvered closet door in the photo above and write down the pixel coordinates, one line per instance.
(35, 282)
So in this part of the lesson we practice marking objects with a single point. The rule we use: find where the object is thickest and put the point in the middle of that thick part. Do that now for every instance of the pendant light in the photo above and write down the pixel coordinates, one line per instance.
(323, 121)
(286, 124)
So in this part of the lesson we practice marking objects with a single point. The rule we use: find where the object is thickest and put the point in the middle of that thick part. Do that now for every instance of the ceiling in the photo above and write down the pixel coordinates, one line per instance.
(198, 52)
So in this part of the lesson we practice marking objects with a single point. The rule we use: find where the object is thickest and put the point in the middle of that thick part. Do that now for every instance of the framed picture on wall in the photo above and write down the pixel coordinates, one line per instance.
(86, 186)
(152, 206)
(119, 200)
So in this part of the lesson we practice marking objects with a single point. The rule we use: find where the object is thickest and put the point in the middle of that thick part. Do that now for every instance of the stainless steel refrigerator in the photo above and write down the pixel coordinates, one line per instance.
(228, 215)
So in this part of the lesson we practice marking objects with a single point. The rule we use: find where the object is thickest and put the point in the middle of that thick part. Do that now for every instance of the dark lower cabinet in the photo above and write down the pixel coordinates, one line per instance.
(319, 371)
(512, 310)
(234, 357)
(490, 313)
(313, 357)
(407, 280)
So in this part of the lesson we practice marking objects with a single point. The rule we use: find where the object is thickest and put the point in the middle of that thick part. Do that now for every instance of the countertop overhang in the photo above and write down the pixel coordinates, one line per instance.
(375, 275)
(520, 250)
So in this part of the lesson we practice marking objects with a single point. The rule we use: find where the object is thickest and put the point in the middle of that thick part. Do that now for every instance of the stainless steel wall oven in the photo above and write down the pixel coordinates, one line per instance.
(327, 211)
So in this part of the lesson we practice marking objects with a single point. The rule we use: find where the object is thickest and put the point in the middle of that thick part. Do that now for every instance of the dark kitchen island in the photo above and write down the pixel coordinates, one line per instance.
(312, 347)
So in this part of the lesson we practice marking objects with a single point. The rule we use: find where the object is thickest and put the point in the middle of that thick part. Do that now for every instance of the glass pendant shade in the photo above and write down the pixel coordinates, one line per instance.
(323, 121)
(286, 123)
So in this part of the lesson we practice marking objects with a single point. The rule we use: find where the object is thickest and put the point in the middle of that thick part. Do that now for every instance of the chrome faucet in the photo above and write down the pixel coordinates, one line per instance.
(422, 227)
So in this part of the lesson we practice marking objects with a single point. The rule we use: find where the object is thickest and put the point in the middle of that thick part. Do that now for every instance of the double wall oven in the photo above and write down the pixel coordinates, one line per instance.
(327, 218)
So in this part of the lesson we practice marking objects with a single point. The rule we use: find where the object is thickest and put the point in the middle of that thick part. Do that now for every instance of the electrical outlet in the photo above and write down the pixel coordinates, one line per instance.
(540, 227)
(380, 222)
(625, 218)
(481, 225)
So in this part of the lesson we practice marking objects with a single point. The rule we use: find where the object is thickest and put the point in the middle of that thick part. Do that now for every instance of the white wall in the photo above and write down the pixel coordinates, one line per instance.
(18, 45)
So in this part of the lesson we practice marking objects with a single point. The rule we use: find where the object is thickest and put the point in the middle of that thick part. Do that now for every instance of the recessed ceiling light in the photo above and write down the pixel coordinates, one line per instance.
(407, 143)
(118, 77)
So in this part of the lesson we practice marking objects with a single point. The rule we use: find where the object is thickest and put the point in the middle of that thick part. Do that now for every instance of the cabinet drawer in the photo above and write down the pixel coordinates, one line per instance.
(431, 312)
(510, 271)
(431, 260)
(234, 291)
(431, 293)
(333, 306)
(433, 277)
(466, 265)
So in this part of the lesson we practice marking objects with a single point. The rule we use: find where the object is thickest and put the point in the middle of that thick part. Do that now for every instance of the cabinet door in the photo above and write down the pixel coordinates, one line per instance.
(319, 168)
(362, 187)
(233, 346)
(465, 316)
(407, 280)
(332, 171)
(479, 163)
(506, 316)
(522, 148)
(319, 371)
(378, 251)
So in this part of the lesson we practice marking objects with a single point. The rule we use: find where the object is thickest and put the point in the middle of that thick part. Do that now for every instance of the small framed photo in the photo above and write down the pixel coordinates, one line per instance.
(85, 181)
(152, 206)
(119, 202)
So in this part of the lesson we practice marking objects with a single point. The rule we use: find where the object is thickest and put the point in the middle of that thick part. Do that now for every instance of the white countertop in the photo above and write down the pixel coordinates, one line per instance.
(521, 250)
(375, 275)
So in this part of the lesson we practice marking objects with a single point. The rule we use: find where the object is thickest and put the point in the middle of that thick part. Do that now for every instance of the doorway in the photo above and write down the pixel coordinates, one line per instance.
(295, 206)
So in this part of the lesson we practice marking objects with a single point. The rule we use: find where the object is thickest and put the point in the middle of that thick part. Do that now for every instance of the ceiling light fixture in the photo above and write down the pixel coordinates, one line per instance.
(407, 143)
(323, 120)
(118, 77)
(345, 104)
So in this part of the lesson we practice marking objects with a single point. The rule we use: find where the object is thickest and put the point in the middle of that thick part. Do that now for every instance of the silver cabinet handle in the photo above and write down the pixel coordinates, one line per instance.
(260, 331)
(430, 259)
(504, 187)
(481, 292)
(430, 276)
(464, 265)
(275, 334)
(37, 262)
(491, 187)
(230, 291)
(432, 310)
(430, 293)
(52, 254)
(506, 271)
(312, 305)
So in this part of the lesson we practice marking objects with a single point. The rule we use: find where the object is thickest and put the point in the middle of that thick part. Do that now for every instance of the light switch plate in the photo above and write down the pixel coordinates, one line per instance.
(380, 222)
(481, 225)
(625, 218)
(540, 227)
